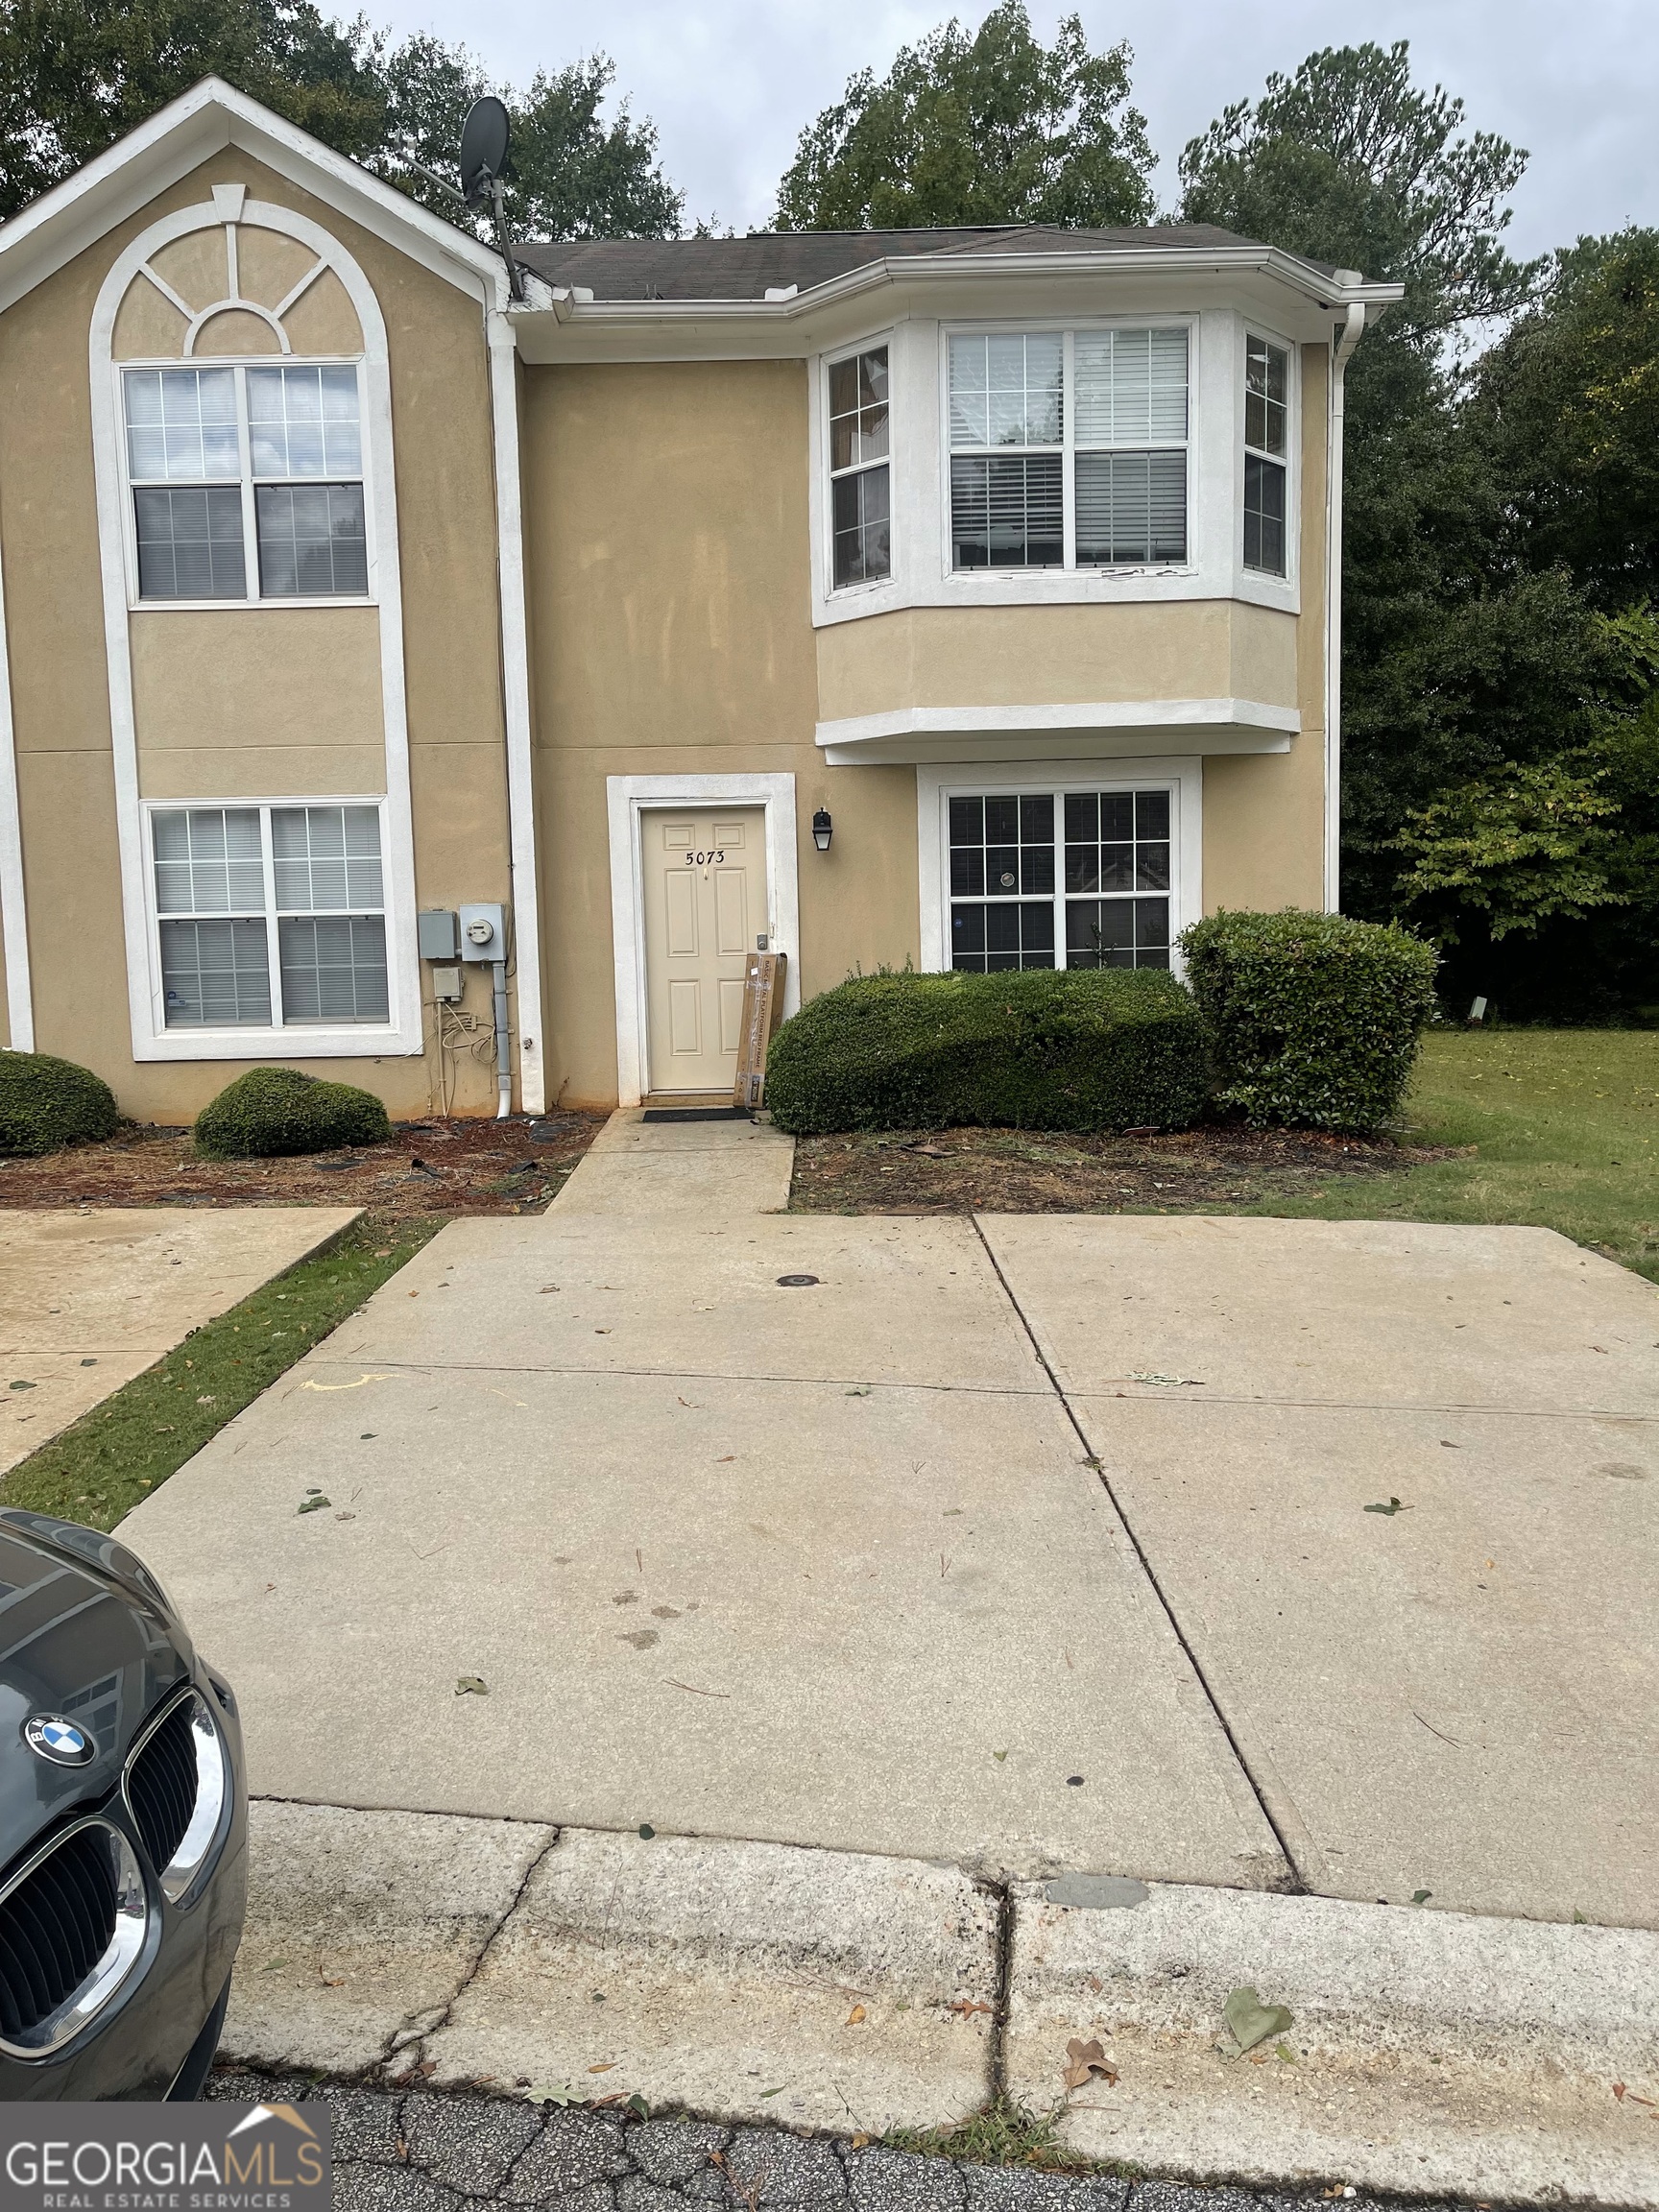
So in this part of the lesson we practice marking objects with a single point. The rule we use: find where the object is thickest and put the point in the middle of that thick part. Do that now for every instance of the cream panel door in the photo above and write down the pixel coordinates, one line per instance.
(705, 909)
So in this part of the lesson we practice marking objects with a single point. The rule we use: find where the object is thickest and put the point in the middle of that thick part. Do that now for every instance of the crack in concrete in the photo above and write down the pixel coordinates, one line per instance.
(707, 1375)
(415, 2050)
(1298, 1884)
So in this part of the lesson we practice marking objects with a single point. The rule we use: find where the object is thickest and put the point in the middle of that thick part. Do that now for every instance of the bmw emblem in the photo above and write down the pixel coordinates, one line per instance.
(48, 1736)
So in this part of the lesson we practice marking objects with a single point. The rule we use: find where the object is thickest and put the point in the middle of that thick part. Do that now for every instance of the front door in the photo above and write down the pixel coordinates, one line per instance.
(704, 911)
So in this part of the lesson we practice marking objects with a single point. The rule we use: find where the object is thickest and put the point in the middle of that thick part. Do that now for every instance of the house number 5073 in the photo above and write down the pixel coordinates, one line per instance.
(706, 859)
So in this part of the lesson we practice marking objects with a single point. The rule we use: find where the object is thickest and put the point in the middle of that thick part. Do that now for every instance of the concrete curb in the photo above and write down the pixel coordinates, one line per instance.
(1429, 2051)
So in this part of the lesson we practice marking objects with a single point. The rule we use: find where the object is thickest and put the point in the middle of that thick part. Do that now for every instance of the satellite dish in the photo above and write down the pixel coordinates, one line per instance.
(483, 148)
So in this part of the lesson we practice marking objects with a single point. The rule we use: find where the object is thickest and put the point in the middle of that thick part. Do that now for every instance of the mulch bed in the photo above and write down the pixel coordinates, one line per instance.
(429, 1167)
(1023, 1171)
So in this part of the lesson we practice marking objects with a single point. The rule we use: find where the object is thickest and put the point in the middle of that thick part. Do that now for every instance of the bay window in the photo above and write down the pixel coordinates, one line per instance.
(1059, 879)
(247, 482)
(270, 916)
(1266, 448)
(1069, 448)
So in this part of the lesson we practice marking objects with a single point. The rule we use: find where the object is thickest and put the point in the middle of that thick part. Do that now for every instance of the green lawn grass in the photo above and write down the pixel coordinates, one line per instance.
(108, 1461)
(1564, 1130)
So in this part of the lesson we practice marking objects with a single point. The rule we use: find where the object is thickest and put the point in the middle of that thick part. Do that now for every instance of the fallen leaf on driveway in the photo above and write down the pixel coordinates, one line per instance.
(606, 2066)
(967, 2004)
(313, 1504)
(1190, 1381)
(1629, 2096)
(471, 1685)
(331, 1981)
(1392, 1507)
(856, 2017)
(1250, 2022)
(1085, 2060)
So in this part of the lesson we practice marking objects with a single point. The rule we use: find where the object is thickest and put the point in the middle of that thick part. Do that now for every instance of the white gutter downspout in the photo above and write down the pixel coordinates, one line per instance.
(14, 914)
(515, 704)
(1346, 339)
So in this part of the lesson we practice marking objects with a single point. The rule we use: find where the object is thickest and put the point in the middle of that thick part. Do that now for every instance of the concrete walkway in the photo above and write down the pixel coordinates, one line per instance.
(89, 1300)
(1034, 1548)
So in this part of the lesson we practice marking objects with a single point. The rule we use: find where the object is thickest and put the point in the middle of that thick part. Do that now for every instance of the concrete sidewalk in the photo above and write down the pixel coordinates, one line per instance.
(1034, 1546)
(89, 1300)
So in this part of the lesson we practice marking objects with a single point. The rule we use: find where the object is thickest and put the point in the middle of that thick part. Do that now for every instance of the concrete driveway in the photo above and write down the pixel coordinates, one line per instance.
(1036, 1544)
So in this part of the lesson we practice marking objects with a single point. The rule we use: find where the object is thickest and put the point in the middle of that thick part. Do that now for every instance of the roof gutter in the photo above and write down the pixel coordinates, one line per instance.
(575, 303)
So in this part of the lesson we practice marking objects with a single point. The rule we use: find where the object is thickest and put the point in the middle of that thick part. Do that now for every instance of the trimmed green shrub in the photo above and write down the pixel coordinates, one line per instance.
(46, 1102)
(1096, 1048)
(271, 1111)
(1313, 1018)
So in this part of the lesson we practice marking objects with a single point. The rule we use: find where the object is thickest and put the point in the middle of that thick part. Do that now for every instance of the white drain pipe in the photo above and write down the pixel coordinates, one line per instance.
(1347, 338)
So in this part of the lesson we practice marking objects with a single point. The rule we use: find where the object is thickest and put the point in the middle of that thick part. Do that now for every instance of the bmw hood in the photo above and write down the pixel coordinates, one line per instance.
(88, 1645)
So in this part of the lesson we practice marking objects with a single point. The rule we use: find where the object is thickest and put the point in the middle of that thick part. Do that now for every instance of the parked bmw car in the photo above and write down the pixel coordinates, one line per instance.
(123, 1826)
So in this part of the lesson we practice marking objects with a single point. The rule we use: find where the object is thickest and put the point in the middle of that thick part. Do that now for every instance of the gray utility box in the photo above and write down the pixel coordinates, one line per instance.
(437, 934)
(483, 933)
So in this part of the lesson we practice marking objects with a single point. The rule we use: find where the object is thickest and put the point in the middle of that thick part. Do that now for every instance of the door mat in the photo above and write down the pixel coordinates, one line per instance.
(696, 1114)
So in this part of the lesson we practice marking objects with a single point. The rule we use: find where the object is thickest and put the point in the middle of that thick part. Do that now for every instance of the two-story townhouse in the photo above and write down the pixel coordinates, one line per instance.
(965, 598)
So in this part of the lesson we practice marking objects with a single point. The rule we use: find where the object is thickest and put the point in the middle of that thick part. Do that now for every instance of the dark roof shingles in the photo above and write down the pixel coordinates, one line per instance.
(747, 268)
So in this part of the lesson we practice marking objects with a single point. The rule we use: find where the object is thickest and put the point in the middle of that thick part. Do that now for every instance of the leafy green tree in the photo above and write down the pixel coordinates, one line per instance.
(982, 127)
(1567, 406)
(1526, 846)
(1455, 659)
(76, 74)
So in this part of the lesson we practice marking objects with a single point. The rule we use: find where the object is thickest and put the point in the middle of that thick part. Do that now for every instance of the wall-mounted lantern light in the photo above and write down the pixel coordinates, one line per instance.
(823, 829)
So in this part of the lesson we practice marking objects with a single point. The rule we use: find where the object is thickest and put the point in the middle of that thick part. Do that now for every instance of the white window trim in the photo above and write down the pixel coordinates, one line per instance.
(936, 786)
(824, 524)
(1067, 329)
(246, 483)
(1260, 584)
(289, 1041)
(405, 1033)
(626, 799)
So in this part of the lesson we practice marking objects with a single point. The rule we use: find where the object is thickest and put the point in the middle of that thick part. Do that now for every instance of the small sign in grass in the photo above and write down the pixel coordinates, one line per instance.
(115, 1456)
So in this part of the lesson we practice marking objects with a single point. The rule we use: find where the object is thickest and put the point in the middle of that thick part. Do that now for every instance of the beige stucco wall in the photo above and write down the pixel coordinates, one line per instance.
(670, 616)
(671, 632)
(300, 712)
(1264, 813)
(1056, 656)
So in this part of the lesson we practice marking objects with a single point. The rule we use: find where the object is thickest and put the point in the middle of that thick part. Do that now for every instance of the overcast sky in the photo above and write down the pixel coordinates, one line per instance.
(730, 82)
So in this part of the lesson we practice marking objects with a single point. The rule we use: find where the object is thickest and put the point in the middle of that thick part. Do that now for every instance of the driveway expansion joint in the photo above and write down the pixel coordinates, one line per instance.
(1294, 1880)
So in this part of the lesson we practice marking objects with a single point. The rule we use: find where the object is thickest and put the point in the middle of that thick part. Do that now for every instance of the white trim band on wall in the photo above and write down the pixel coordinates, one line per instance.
(516, 710)
(626, 798)
(14, 905)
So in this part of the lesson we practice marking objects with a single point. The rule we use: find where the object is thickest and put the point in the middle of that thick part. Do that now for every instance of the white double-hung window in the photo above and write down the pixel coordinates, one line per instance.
(1069, 448)
(270, 916)
(247, 482)
(1266, 454)
(860, 472)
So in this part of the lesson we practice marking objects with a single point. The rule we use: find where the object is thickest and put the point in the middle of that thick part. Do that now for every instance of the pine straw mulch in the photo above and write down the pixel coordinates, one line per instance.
(1026, 1171)
(429, 1167)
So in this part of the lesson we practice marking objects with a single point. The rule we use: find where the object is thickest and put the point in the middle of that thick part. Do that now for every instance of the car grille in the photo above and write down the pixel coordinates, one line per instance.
(161, 1784)
(71, 1929)
(178, 1786)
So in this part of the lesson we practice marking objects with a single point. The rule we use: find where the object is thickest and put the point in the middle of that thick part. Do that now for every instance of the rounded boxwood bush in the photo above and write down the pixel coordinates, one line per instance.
(1313, 1018)
(46, 1102)
(1096, 1048)
(273, 1110)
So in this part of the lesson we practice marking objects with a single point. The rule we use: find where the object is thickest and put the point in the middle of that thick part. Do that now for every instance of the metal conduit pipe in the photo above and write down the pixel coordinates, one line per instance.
(503, 1067)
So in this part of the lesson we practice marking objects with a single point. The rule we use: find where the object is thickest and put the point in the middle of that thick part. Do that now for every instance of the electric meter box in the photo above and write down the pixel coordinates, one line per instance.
(438, 934)
(483, 933)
